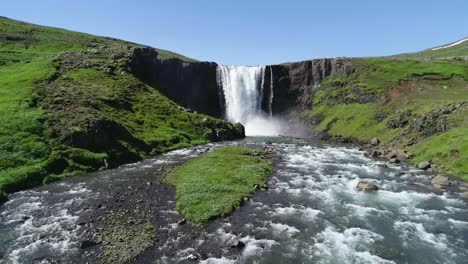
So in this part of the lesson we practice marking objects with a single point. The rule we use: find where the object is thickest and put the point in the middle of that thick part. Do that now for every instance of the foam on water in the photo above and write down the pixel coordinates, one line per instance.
(310, 213)
(350, 246)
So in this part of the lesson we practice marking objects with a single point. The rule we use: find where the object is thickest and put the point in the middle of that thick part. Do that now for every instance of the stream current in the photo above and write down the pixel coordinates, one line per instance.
(310, 213)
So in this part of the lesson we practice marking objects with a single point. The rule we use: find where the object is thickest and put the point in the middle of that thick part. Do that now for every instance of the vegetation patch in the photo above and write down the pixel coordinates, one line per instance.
(449, 149)
(216, 183)
(405, 102)
(68, 105)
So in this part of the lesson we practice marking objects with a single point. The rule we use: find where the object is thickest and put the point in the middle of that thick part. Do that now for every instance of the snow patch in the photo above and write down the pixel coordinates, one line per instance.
(451, 45)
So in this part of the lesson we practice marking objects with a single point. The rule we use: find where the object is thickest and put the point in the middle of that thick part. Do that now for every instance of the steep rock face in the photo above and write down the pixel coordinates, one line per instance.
(190, 84)
(295, 83)
(194, 84)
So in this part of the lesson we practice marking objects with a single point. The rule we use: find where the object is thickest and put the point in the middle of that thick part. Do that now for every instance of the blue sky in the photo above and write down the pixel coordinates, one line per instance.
(249, 32)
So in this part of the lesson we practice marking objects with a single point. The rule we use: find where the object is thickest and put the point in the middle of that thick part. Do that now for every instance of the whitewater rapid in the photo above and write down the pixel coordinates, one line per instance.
(311, 212)
(245, 92)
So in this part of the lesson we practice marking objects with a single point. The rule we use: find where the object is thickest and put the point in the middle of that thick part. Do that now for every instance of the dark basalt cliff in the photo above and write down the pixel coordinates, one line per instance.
(295, 83)
(190, 84)
(194, 84)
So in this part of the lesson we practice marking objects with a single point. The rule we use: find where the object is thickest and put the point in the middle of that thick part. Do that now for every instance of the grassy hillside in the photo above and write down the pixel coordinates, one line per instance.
(68, 105)
(408, 101)
(459, 50)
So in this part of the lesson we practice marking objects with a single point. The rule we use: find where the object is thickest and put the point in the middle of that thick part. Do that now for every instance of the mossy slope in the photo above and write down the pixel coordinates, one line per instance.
(69, 105)
(414, 101)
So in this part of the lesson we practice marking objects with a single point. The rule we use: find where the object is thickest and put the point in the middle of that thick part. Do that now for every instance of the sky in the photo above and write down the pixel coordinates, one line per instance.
(259, 32)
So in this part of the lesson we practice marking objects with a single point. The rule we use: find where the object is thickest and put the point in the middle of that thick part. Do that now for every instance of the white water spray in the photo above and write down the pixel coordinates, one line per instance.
(243, 93)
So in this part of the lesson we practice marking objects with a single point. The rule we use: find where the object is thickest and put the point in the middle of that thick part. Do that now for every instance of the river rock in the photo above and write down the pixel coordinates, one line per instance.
(464, 187)
(465, 195)
(394, 160)
(440, 181)
(182, 222)
(424, 165)
(192, 257)
(87, 244)
(375, 141)
(401, 156)
(237, 244)
(366, 186)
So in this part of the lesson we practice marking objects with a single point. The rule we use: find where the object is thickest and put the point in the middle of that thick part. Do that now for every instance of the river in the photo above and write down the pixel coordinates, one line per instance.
(310, 213)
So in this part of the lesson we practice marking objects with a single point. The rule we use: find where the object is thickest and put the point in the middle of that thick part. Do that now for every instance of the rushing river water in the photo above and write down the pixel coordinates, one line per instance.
(310, 213)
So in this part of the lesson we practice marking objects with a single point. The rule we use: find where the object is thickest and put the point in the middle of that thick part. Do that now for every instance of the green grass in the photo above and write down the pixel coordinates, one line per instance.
(23, 148)
(394, 85)
(215, 184)
(48, 109)
(459, 50)
(352, 120)
(449, 149)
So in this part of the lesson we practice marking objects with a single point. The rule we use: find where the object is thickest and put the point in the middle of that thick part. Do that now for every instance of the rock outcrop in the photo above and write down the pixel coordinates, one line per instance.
(294, 84)
(190, 84)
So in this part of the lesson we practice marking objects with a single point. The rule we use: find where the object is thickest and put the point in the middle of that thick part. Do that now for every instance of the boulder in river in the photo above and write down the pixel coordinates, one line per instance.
(440, 181)
(394, 160)
(237, 244)
(424, 165)
(366, 186)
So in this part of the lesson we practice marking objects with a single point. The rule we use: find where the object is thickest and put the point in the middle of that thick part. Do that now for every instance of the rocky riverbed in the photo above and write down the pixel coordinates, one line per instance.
(310, 210)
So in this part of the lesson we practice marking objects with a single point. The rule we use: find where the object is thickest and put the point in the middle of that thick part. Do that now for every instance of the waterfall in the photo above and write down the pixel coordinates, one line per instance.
(243, 89)
(271, 92)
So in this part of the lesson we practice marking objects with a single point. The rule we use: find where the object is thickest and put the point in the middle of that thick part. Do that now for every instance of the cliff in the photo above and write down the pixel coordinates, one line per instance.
(190, 84)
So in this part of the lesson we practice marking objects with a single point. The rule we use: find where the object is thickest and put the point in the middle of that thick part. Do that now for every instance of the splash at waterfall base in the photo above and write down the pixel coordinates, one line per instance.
(262, 125)
(248, 97)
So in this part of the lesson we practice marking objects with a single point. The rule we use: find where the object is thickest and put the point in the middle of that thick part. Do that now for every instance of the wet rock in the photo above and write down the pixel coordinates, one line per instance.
(182, 222)
(394, 160)
(375, 153)
(464, 187)
(440, 181)
(465, 195)
(192, 257)
(392, 154)
(87, 244)
(237, 244)
(401, 156)
(375, 141)
(366, 186)
(424, 165)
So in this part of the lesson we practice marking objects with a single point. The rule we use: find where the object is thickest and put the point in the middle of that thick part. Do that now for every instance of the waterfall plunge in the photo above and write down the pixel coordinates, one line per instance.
(243, 89)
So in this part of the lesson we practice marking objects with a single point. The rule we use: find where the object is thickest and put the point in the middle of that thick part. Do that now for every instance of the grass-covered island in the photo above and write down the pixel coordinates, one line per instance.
(216, 183)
